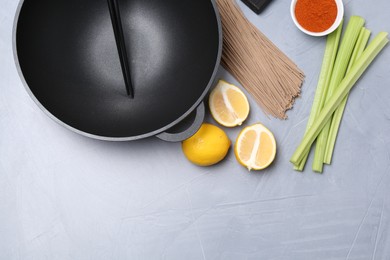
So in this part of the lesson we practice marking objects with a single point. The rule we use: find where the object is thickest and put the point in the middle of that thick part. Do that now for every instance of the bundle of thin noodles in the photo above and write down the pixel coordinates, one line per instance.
(262, 69)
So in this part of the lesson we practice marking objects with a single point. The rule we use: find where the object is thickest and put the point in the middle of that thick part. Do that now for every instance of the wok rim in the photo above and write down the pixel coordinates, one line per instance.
(108, 138)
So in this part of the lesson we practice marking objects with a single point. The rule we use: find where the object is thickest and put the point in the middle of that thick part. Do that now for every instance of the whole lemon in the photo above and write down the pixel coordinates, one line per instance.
(208, 146)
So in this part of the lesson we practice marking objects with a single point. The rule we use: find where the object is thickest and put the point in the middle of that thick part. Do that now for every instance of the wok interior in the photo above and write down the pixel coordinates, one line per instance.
(68, 56)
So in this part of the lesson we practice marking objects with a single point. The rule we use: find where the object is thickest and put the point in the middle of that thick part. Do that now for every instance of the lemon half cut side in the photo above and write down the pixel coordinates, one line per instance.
(255, 147)
(228, 104)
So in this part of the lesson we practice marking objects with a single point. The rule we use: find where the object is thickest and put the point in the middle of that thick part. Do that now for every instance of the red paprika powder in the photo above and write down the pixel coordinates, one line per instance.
(316, 15)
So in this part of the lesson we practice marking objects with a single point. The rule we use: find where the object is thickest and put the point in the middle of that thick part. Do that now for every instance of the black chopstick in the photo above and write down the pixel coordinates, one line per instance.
(120, 44)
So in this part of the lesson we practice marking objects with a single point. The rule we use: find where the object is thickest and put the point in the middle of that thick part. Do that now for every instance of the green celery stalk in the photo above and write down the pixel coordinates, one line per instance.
(338, 114)
(340, 93)
(332, 44)
(340, 67)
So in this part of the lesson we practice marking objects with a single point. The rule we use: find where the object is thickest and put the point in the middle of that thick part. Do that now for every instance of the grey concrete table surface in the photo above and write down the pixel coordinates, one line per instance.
(64, 196)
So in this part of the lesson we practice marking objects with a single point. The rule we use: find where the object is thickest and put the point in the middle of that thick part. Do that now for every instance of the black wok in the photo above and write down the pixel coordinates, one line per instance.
(67, 56)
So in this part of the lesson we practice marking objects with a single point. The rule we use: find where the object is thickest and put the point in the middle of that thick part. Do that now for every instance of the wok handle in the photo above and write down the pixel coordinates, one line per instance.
(190, 131)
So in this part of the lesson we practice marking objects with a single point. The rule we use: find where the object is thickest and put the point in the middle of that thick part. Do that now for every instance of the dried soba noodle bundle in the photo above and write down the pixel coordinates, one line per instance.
(266, 72)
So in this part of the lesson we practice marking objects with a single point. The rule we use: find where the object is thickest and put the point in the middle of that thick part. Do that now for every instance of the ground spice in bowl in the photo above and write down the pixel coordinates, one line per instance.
(316, 15)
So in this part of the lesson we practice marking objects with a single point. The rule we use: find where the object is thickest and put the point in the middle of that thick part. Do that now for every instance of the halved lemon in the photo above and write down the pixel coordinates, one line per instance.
(255, 147)
(228, 104)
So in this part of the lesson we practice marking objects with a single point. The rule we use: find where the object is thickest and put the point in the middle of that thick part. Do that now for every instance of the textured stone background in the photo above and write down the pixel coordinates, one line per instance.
(64, 196)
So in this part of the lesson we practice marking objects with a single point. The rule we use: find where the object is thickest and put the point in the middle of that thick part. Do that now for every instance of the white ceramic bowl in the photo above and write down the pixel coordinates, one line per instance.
(339, 18)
